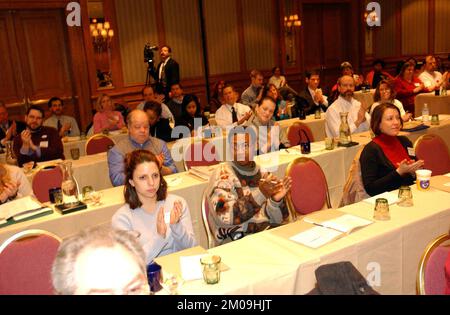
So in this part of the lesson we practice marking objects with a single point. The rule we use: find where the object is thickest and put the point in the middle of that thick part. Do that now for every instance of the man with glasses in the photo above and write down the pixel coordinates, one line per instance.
(37, 143)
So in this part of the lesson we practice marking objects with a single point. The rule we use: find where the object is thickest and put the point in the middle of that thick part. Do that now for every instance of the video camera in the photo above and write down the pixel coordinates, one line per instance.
(148, 53)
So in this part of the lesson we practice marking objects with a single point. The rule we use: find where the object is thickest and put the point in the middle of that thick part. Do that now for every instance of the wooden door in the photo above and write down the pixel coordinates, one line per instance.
(326, 39)
(11, 81)
(43, 53)
(34, 59)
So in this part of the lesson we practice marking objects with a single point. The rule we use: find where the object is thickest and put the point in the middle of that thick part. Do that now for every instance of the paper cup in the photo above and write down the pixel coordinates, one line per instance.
(423, 179)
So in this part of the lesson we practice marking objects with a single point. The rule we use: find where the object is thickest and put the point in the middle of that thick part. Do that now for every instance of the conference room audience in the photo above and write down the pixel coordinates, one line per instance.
(232, 113)
(376, 75)
(37, 143)
(149, 94)
(312, 98)
(253, 94)
(431, 78)
(385, 161)
(138, 138)
(13, 183)
(191, 115)
(159, 126)
(277, 78)
(242, 200)
(407, 87)
(216, 99)
(281, 110)
(358, 118)
(385, 94)
(100, 261)
(66, 125)
(8, 128)
(163, 220)
(106, 117)
(347, 69)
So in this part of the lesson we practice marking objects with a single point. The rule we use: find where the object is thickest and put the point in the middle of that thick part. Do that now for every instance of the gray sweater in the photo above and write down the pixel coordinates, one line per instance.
(179, 236)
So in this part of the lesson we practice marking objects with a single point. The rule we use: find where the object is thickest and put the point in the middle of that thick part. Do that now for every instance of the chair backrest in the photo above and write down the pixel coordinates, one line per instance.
(45, 179)
(26, 260)
(354, 188)
(295, 135)
(98, 143)
(206, 221)
(433, 150)
(309, 191)
(431, 272)
(200, 153)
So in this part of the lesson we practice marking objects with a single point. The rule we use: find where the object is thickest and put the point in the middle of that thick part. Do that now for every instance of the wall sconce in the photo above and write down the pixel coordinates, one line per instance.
(102, 34)
(290, 23)
(371, 18)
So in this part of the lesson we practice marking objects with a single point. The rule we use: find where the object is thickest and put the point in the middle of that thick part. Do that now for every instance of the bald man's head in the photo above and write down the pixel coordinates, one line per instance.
(138, 126)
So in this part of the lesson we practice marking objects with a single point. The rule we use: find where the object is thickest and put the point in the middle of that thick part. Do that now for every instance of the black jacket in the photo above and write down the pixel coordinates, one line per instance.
(162, 130)
(305, 100)
(378, 173)
(172, 73)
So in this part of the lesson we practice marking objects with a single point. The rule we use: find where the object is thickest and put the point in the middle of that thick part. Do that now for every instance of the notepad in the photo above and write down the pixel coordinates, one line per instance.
(191, 268)
(390, 196)
(204, 172)
(316, 236)
(346, 223)
(21, 209)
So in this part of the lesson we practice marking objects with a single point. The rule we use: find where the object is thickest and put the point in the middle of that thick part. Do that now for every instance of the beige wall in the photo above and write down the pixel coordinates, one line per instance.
(222, 36)
(414, 27)
(136, 26)
(442, 26)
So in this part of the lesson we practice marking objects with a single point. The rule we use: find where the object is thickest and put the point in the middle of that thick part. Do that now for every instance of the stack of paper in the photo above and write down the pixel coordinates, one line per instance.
(327, 231)
(20, 209)
(204, 172)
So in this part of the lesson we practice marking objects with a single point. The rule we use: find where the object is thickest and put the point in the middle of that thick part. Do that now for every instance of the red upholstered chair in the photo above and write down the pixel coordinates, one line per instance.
(98, 143)
(295, 135)
(206, 223)
(200, 153)
(431, 273)
(26, 260)
(309, 191)
(433, 150)
(45, 179)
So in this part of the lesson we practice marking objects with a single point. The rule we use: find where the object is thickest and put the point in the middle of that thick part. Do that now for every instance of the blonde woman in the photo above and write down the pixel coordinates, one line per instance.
(106, 117)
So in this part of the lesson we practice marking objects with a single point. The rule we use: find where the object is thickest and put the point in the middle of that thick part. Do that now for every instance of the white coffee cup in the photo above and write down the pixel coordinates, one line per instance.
(423, 179)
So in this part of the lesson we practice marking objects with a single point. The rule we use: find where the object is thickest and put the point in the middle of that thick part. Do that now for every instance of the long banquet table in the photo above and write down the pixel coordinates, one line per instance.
(387, 253)
(436, 104)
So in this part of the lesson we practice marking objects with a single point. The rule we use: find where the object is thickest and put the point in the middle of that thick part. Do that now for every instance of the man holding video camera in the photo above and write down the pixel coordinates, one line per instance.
(167, 73)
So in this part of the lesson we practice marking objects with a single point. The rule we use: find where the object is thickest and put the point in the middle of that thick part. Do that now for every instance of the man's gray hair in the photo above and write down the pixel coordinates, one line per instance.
(63, 270)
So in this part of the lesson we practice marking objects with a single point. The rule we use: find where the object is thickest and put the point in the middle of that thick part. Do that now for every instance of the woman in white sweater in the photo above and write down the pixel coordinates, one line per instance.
(13, 183)
(385, 94)
(161, 220)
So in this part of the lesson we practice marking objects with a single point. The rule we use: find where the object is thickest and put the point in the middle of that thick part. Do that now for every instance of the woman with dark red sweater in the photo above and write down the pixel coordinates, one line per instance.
(385, 162)
(407, 87)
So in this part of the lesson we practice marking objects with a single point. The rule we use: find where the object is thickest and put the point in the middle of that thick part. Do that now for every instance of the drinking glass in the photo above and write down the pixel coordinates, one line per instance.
(405, 196)
(435, 120)
(211, 268)
(75, 153)
(329, 143)
(381, 211)
(96, 197)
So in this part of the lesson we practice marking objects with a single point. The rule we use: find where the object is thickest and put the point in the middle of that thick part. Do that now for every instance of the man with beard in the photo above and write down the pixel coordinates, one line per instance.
(37, 143)
(358, 118)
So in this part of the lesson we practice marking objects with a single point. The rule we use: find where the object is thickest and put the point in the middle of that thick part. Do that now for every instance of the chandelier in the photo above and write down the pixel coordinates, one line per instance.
(291, 22)
(101, 33)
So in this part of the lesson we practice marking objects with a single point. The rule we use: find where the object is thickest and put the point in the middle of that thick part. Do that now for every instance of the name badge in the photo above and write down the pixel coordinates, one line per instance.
(411, 152)
(44, 136)
(43, 144)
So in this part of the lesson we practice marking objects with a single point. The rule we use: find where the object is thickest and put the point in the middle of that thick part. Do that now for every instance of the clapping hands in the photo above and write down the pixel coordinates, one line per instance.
(175, 216)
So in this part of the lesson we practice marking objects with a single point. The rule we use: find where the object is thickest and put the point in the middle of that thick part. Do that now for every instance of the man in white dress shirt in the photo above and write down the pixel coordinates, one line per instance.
(358, 118)
(66, 125)
(232, 113)
(431, 79)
